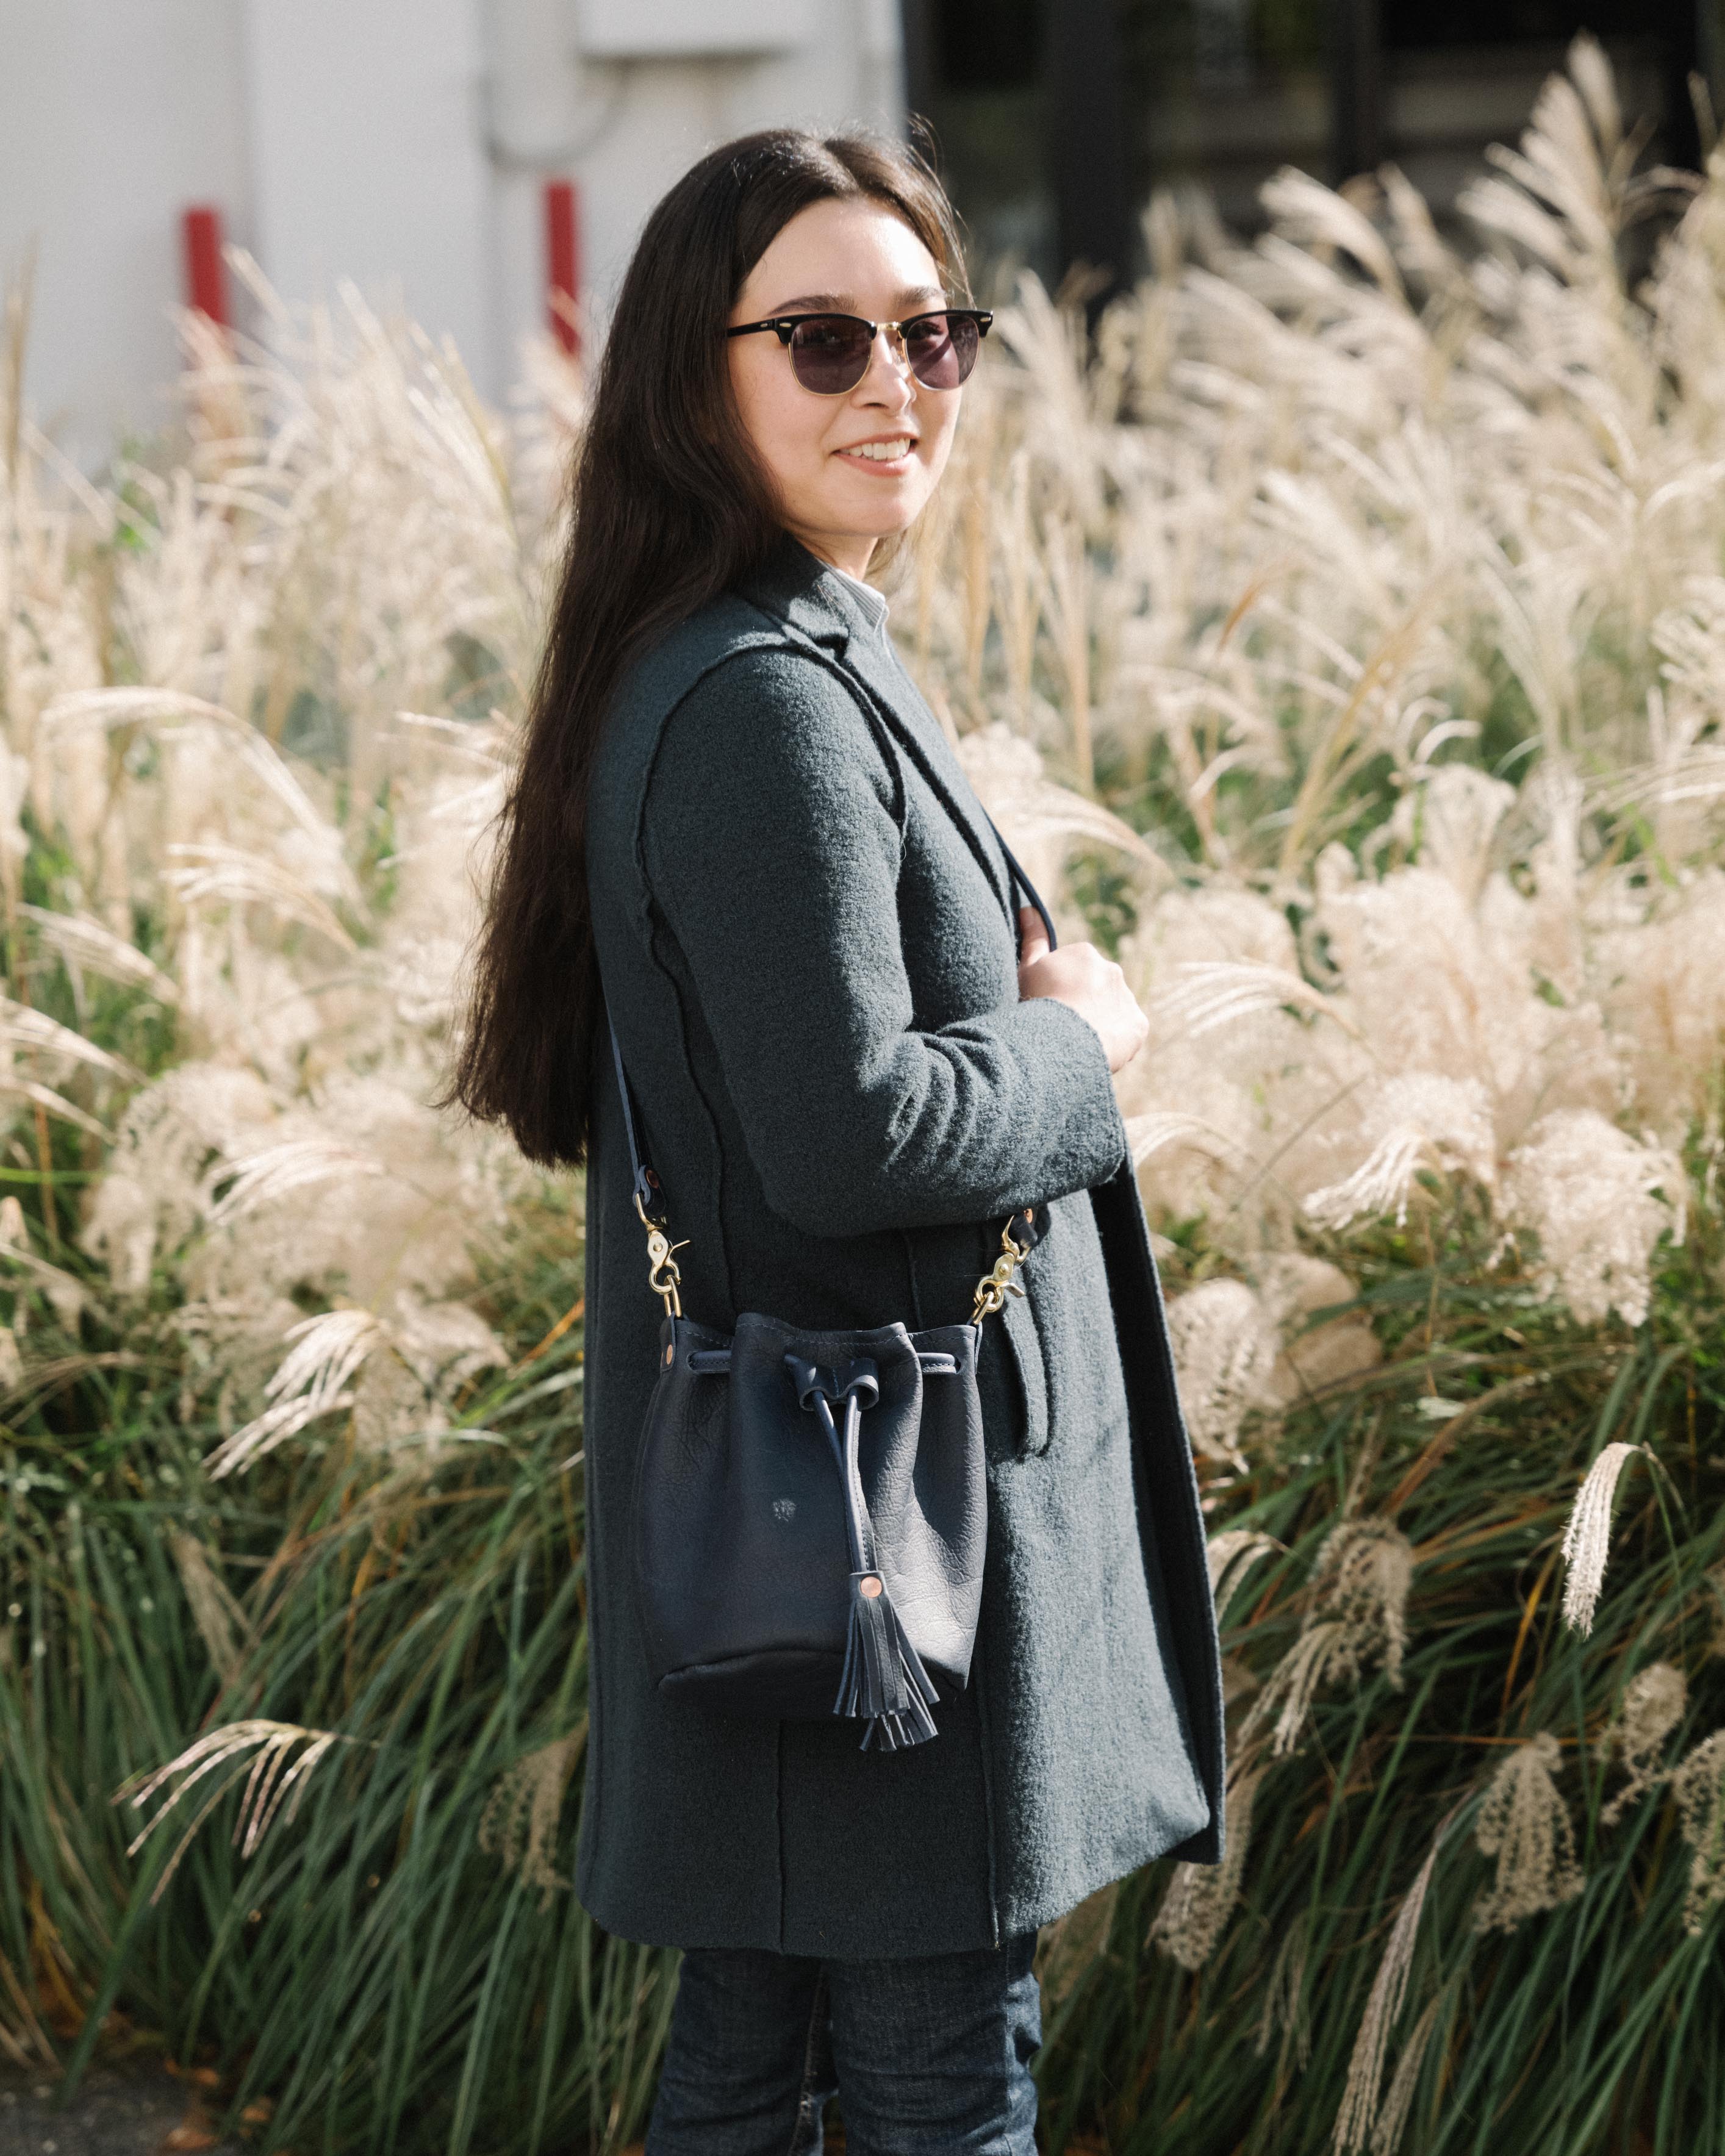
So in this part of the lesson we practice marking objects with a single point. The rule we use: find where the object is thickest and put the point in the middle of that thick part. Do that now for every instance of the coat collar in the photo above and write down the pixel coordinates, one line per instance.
(815, 600)
(800, 589)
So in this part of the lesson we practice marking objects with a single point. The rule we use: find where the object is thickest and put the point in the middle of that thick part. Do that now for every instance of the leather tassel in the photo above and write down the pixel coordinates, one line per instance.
(883, 1678)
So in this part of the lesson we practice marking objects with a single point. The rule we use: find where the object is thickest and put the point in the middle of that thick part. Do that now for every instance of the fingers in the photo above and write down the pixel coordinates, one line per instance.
(1033, 937)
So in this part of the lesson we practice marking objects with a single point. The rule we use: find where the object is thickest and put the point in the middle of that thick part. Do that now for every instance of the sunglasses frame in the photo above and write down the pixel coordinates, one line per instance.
(784, 327)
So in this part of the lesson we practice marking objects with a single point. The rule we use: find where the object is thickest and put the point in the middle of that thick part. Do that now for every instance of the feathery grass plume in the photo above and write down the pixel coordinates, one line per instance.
(274, 1171)
(52, 1103)
(1698, 1789)
(1360, 1584)
(1391, 2122)
(228, 876)
(1219, 992)
(82, 942)
(310, 1383)
(1383, 2004)
(1224, 1349)
(1200, 1897)
(1653, 1705)
(269, 1780)
(1599, 1202)
(36, 1033)
(1364, 1574)
(1380, 1184)
(1295, 1288)
(1292, 1685)
(1045, 820)
(149, 1202)
(1587, 1537)
(518, 1824)
(1147, 1135)
(1524, 1824)
(1411, 1121)
(67, 1296)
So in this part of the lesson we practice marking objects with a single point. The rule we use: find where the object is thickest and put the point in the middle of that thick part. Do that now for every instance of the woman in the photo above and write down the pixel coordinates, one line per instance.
(734, 806)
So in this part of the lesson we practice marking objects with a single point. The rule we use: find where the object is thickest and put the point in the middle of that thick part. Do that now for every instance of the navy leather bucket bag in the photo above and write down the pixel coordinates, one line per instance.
(810, 1508)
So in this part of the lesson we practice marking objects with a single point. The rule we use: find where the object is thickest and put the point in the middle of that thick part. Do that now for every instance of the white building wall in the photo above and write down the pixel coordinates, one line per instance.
(402, 143)
(113, 119)
(623, 124)
(367, 159)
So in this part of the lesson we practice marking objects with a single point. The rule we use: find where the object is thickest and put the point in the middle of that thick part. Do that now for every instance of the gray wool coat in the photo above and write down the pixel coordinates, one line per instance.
(806, 934)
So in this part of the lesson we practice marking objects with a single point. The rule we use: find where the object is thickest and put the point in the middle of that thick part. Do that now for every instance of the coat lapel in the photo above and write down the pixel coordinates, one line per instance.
(902, 704)
(812, 599)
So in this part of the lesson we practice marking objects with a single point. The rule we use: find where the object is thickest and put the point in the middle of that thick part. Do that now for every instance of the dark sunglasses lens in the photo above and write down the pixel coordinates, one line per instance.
(830, 353)
(941, 349)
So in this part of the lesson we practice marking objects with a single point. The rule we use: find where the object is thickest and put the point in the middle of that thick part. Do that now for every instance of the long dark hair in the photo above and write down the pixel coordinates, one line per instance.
(670, 509)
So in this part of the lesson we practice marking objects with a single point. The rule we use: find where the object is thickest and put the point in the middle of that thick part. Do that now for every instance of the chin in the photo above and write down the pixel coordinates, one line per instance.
(882, 525)
(878, 518)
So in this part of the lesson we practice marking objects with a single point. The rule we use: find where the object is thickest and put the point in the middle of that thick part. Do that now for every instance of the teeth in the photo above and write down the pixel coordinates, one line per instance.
(882, 452)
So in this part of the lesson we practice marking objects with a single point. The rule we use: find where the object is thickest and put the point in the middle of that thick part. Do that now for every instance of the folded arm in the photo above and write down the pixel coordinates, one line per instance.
(772, 852)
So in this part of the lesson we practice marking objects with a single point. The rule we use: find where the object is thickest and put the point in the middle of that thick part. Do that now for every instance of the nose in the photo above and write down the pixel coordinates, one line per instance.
(889, 346)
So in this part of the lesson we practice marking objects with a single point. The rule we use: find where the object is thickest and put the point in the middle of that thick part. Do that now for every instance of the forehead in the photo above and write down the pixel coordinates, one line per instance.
(859, 254)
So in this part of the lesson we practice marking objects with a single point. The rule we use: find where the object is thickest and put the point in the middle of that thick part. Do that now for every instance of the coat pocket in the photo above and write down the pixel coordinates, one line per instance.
(1071, 1320)
(1023, 1348)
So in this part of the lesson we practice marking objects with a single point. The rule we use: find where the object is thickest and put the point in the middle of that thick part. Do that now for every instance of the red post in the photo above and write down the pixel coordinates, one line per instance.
(562, 262)
(206, 273)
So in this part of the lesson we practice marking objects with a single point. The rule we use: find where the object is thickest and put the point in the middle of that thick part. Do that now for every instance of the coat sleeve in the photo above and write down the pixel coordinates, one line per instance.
(772, 846)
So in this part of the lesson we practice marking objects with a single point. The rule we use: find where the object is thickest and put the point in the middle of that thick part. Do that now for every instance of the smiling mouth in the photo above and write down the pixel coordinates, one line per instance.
(891, 451)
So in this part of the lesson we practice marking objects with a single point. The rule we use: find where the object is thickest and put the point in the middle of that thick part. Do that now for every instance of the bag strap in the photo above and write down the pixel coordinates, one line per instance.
(1019, 1236)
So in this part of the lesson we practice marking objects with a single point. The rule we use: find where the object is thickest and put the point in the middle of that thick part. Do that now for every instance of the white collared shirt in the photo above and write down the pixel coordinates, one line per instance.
(872, 603)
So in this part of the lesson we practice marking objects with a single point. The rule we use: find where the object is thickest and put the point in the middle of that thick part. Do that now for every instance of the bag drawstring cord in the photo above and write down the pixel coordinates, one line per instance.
(883, 1679)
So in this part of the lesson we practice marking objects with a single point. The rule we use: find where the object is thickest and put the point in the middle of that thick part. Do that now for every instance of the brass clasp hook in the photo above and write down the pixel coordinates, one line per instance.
(662, 1273)
(993, 1287)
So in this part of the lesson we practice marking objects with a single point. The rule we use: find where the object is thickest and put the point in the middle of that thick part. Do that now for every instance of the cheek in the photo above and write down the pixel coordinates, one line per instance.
(939, 427)
(782, 429)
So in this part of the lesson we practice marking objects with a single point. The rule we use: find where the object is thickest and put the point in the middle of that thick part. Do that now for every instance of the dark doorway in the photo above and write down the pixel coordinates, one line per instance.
(1055, 118)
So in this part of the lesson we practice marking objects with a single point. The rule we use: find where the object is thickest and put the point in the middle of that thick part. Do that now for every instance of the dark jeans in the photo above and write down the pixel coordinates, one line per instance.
(929, 2055)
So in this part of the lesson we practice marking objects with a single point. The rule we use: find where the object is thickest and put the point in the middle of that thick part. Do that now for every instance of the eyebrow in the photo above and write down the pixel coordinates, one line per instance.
(913, 297)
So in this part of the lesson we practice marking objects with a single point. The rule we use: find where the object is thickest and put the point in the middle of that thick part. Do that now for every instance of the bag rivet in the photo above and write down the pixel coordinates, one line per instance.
(869, 1586)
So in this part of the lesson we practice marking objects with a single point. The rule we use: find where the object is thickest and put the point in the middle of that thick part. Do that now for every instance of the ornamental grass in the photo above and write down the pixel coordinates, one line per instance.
(1338, 624)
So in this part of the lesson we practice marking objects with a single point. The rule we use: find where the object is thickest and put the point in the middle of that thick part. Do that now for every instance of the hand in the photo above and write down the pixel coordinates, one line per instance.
(1079, 976)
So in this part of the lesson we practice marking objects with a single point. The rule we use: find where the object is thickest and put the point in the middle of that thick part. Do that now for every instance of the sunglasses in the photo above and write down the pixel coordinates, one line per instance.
(830, 353)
